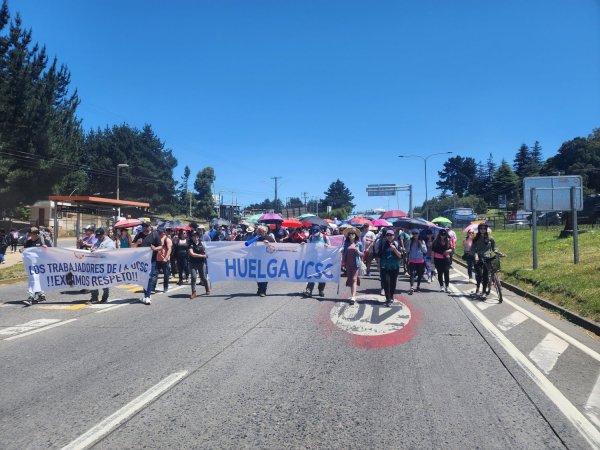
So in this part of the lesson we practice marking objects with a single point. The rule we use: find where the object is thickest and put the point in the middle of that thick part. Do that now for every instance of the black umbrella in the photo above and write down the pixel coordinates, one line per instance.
(410, 223)
(314, 220)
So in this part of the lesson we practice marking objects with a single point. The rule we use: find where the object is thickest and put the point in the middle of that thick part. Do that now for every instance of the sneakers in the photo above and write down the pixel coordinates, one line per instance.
(28, 302)
(411, 291)
(441, 288)
(262, 294)
(418, 289)
(146, 301)
(307, 294)
(382, 292)
(41, 298)
(388, 304)
(471, 280)
(447, 290)
(352, 301)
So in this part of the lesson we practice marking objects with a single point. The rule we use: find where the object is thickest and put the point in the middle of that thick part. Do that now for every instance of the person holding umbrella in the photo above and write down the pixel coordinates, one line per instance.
(352, 252)
(320, 239)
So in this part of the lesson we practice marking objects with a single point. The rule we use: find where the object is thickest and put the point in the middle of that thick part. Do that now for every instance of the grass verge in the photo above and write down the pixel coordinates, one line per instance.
(15, 271)
(575, 287)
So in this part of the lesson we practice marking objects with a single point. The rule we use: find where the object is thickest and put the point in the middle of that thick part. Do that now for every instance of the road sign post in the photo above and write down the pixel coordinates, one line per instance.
(374, 190)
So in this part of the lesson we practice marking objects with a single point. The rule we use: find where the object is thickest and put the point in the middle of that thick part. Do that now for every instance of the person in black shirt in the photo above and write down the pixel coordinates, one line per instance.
(35, 239)
(197, 255)
(149, 238)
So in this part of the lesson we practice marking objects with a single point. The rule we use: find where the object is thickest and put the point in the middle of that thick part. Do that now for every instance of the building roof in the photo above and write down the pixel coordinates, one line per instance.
(98, 201)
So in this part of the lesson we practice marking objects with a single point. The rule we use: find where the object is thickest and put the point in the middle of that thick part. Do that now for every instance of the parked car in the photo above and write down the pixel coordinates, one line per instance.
(591, 210)
(549, 218)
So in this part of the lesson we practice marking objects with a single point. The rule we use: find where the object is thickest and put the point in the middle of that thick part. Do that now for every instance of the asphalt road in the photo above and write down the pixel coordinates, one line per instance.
(237, 371)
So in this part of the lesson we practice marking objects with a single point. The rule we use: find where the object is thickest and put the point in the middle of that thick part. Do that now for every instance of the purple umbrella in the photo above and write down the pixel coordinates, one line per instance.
(270, 218)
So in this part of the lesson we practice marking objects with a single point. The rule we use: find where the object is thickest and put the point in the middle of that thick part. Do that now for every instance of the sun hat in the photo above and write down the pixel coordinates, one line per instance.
(250, 229)
(349, 230)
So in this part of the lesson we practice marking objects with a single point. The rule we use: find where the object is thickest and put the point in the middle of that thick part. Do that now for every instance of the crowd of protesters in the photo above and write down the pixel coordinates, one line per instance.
(180, 253)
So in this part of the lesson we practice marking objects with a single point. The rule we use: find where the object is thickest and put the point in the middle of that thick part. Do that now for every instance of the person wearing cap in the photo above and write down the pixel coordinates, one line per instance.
(263, 236)
(35, 240)
(102, 243)
(368, 240)
(352, 253)
(416, 259)
(390, 256)
(320, 239)
(197, 255)
(441, 258)
(163, 257)
(149, 238)
(484, 246)
(88, 240)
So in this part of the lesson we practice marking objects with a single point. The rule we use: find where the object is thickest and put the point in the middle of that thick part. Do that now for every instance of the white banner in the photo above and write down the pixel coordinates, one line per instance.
(62, 268)
(273, 262)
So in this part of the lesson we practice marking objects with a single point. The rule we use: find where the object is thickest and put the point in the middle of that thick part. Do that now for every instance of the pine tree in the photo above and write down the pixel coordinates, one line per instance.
(506, 182)
(523, 162)
(205, 206)
(339, 196)
(536, 158)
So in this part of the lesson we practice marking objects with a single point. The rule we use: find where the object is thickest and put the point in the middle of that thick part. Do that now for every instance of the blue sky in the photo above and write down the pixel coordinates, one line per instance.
(312, 91)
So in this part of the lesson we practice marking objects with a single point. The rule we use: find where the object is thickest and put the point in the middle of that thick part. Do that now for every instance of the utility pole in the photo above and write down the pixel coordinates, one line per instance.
(305, 195)
(275, 178)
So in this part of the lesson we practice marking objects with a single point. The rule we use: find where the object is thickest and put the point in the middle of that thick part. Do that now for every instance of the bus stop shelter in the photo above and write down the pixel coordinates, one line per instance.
(90, 206)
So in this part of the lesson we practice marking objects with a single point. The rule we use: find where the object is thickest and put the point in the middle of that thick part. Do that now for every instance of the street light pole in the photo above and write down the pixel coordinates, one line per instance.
(425, 158)
(119, 166)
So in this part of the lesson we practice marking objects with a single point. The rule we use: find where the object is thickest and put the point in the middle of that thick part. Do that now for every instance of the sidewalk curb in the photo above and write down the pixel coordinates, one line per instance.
(587, 324)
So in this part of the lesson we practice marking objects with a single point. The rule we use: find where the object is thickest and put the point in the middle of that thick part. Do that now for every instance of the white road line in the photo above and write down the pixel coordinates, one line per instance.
(547, 352)
(579, 421)
(592, 406)
(484, 305)
(512, 320)
(37, 330)
(574, 342)
(100, 430)
(111, 307)
(27, 326)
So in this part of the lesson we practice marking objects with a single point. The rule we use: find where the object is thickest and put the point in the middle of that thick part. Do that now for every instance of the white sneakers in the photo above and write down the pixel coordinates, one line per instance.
(146, 301)
(441, 288)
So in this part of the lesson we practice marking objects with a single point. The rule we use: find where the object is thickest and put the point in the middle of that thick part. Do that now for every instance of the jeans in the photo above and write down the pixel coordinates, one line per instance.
(311, 286)
(166, 268)
(442, 265)
(183, 265)
(152, 280)
(198, 270)
(95, 293)
(470, 260)
(418, 269)
(389, 277)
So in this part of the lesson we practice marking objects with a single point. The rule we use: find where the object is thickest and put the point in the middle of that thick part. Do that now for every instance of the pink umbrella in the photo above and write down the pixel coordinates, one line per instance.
(473, 227)
(270, 218)
(396, 213)
(128, 223)
(360, 221)
(380, 223)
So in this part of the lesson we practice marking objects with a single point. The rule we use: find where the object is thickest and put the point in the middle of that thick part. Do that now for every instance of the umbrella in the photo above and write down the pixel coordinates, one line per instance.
(360, 221)
(270, 218)
(185, 228)
(329, 221)
(380, 223)
(291, 223)
(411, 223)
(344, 225)
(220, 222)
(128, 223)
(441, 220)
(314, 220)
(253, 218)
(305, 215)
(393, 213)
(473, 227)
(426, 222)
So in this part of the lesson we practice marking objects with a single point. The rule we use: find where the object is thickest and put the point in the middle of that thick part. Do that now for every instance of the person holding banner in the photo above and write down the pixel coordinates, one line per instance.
(149, 238)
(197, 254)
(35, 240)
(352, 254)
(102, 243)
(86, 242)
(263, 236)
(320, 239)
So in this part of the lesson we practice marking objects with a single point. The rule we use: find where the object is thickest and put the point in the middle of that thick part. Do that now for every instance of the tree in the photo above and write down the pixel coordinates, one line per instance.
(457, 175)
(506, 182)
(40, 135)
(205, 206)
(182, 192)
(339, 196)
(536, 158)
(523, 163)
(267, 205)
(294, 202)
